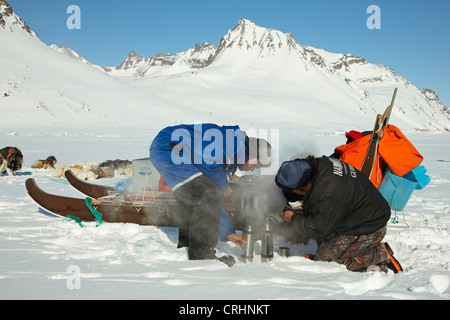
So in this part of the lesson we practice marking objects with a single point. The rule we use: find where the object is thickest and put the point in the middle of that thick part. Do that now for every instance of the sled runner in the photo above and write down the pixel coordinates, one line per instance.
(158, 212)
(154, 208)
(91, 190)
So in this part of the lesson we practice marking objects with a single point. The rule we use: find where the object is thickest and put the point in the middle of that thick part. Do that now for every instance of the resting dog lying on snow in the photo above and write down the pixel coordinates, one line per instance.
(44, 164)
(88, 170)
(81, 169)
(111, 168)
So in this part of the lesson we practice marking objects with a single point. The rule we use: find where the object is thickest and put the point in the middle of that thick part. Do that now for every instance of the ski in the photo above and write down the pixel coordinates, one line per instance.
(387, 113)
(369, 160)
(377, 133)
(91, 190)
(161, 212)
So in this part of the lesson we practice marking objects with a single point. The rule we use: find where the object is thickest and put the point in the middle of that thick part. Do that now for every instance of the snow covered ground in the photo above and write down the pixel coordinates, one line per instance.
(55, 105)
(44, 257)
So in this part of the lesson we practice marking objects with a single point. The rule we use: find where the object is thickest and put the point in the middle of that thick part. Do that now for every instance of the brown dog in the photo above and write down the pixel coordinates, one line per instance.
(48, 163)
(11, 160)
(110, 168)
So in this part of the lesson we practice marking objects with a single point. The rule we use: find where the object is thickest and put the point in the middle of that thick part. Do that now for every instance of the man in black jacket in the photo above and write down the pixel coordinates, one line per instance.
(342, 209)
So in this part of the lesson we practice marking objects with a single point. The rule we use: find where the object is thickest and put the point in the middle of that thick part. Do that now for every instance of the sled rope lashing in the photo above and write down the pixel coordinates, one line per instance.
(116, 205)
(161, 206)
(138, 204)
(97, 215)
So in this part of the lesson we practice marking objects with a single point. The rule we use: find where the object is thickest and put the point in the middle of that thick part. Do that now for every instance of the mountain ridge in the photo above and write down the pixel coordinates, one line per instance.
(238, 37)
(255, 76)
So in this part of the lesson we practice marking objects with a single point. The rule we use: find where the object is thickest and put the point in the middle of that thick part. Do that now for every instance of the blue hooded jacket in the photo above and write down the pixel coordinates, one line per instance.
(183, 152)
(225, 226)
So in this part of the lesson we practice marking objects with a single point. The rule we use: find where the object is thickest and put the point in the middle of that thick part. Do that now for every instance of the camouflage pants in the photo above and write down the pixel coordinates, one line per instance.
(355, 252)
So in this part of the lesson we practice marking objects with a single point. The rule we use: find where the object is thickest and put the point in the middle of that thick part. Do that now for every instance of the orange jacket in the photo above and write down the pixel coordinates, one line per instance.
(394, 150)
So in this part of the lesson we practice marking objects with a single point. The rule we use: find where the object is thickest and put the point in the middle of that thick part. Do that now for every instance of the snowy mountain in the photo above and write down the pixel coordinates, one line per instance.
(164, 63)
(8, 19)
(72, 54)
(256, 77)
(371, 77)
(369, 84)
(44, 89)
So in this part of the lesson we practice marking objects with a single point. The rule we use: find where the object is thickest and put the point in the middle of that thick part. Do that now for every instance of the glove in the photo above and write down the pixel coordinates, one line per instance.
(228, 260)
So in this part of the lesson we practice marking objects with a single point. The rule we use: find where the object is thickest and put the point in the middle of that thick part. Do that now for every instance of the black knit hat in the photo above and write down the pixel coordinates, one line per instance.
(294, 174)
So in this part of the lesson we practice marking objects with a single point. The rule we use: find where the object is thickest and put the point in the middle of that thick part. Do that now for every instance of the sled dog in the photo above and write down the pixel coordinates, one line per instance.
(88, 170)
(48, 163)
(11, 160)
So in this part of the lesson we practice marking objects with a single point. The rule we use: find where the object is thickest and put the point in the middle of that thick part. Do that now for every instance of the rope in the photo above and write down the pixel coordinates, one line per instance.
(424, 222)
(97, 215)
(76, 219)
(403, 214)
(394, 220)
(143, 188)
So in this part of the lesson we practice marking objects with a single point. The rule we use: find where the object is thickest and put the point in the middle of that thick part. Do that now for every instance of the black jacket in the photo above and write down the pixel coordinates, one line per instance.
(341, 201)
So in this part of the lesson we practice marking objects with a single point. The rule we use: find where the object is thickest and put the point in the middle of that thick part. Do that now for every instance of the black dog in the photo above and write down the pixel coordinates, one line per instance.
(11, 160)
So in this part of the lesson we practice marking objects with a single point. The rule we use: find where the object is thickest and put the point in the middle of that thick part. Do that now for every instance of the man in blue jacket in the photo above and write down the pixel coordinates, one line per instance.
(195, 161)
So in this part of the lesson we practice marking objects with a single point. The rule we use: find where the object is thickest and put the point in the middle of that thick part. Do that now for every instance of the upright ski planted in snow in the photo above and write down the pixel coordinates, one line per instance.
(377, 133)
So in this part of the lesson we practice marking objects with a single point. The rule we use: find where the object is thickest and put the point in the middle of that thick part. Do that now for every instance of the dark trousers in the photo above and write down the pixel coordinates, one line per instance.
(201, 202)
(355, 252)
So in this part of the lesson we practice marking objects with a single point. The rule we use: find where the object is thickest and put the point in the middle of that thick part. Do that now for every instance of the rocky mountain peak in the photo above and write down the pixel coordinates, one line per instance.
(131, 61)
(132, 54)
(194, 58)
(433, 98)
(204, 47)
(347, 60)
(9, 19)
(268, 43)
(247, 35)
